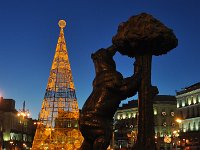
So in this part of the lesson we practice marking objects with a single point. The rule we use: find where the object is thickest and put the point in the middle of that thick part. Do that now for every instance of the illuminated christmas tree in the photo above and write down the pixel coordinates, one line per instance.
(58, 120)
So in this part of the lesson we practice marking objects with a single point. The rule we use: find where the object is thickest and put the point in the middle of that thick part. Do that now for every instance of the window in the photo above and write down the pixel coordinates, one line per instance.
(198, 111)
(189, 128)
(126, 115)
(188, 113)
(181, 114)
(155, 111)
(131, 115)
(189, 101)
(121, 117)
(198, 126)
(183, 103)
(172, 113)
(178, 105)
(164, 124)
(193, 112)
(118, 117)
(134, 115)
(194, 126)
(194, 99)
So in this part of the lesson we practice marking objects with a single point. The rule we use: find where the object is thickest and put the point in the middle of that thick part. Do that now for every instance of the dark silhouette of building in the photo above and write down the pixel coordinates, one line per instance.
(16, 128)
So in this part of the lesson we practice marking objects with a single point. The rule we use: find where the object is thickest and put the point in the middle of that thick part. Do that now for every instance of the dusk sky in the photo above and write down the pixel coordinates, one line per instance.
(29, 32)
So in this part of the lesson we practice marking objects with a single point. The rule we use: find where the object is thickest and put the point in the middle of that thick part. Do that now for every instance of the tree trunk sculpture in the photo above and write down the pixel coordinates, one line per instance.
(141, 37)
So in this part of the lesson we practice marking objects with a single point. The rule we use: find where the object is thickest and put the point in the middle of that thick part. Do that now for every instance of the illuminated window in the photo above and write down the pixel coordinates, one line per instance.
(118, 117)
(172, 113)
(189, 101)
(121, 116)
(183, 103)
(124, 116)
(134, 115)
(129, 115)
(178, 104)
(194, 100)
(155, 111)
(6, 136)
(164, 124)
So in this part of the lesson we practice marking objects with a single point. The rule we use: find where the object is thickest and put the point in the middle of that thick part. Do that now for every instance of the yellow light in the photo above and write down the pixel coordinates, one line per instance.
(178, 120)
(174, 132)
(6, 136)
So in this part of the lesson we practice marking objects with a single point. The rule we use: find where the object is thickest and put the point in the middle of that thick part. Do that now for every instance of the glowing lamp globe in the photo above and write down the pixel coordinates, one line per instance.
(62, 23)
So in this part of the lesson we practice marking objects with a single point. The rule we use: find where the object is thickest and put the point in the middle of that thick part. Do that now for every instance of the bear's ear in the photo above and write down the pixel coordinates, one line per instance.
(92, 56)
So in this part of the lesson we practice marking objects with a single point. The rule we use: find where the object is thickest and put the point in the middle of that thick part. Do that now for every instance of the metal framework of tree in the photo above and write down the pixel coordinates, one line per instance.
(58, 121)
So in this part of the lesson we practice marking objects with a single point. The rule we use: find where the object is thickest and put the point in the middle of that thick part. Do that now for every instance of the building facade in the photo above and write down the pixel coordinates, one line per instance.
(188, 106)
(166, 127)
(16, 129)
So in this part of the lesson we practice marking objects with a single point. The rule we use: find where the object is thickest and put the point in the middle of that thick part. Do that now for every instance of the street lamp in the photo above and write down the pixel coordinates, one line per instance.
(23, 114)
(178, 120)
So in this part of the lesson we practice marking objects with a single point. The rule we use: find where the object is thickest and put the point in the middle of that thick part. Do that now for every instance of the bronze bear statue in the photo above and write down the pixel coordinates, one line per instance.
(109, 89)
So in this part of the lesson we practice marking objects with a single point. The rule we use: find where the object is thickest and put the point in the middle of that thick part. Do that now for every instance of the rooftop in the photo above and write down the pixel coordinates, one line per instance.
(159, 99)
(7, 105)
(189, 88)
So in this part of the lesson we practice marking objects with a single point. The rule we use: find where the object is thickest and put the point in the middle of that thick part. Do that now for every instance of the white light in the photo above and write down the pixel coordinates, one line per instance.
(174, 132)
(155, 112)
(189, 101)
(194, 100)
(124, 116)
(178, 105)
(134, 115)
(197, 127)
(129, 115)
(183, 103)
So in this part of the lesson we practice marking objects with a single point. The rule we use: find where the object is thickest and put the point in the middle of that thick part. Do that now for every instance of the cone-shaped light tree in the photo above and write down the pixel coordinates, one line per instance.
(143, 36)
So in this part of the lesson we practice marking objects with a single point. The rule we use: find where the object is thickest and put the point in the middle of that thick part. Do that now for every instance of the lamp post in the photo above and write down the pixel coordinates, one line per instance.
(1, 134)
(23, 114)
(176, 133)
(175, 136)
(178, 120)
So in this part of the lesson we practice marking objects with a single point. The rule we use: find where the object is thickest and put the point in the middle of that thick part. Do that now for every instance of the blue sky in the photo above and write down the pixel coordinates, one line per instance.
(29, 33)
